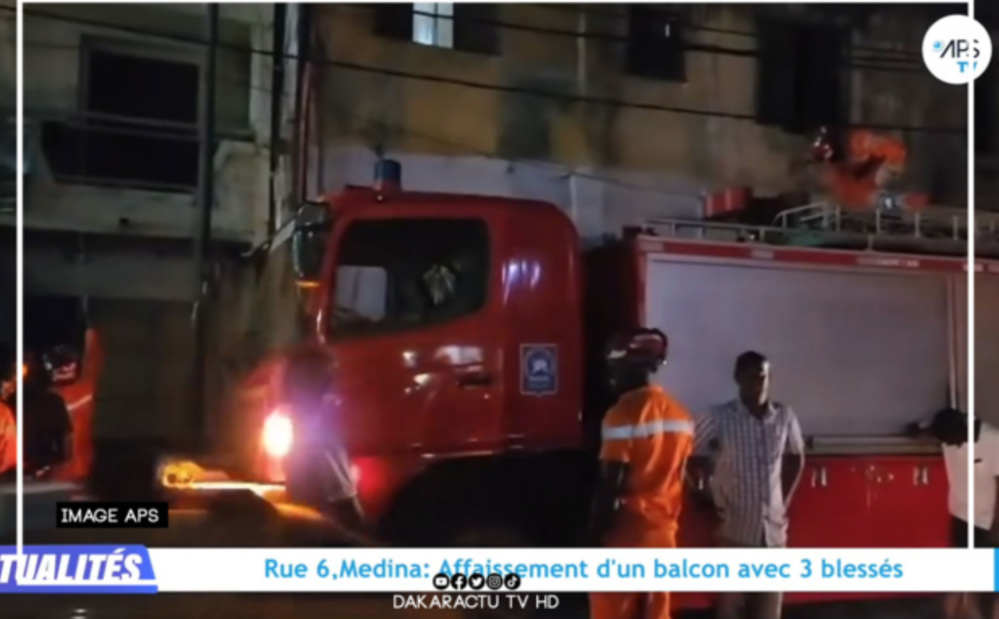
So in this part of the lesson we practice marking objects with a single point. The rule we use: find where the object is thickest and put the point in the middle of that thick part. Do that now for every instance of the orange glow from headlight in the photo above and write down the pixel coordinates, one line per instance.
(278, 435)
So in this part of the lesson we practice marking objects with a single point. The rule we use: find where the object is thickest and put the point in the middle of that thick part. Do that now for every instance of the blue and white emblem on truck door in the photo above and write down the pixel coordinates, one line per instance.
(538, 369)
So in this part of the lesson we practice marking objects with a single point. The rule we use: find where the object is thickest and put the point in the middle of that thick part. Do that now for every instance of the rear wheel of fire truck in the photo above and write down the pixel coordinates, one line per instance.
(428, 519)
(491, 533)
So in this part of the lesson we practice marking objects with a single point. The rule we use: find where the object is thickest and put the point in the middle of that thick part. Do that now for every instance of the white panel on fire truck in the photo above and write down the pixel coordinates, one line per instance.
(987, 348)
(854, 353)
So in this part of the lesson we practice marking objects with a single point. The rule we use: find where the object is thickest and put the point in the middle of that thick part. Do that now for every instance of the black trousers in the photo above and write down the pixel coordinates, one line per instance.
(959, 535)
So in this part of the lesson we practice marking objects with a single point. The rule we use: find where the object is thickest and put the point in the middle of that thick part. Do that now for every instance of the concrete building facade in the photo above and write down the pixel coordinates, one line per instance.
(113, 97)
(640, 112)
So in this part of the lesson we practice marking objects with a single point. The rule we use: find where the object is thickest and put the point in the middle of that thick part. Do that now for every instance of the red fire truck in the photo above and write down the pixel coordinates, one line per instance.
(465, 331)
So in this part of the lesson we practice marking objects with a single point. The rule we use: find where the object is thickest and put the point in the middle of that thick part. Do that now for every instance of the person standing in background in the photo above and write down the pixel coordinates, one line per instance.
(48, 430)
(950, 427)
(647, 437)
(757, 456)
(318, 467)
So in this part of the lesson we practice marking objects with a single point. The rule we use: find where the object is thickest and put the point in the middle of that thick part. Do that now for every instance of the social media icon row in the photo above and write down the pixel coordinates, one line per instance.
(460, 582)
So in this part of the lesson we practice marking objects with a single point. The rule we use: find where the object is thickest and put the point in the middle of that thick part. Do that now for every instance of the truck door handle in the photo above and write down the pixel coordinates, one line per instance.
(819, 478)
(921, 476)
(470, 381)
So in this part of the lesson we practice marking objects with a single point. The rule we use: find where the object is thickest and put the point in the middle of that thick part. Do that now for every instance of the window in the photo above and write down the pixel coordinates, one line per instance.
(464, 27)
(655, 44)
(142, 136)
(433, 23)
(799, 76)
(398, 274)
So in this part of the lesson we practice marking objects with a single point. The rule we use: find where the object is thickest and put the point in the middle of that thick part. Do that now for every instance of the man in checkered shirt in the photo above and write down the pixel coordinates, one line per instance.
(757, 456)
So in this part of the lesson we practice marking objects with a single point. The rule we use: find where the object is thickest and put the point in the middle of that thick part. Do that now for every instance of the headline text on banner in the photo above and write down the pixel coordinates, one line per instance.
(135, 569)
(579, 570)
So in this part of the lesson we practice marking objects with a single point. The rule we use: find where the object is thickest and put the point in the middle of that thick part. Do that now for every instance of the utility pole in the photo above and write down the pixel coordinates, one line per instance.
(206, 192)
(277, 96)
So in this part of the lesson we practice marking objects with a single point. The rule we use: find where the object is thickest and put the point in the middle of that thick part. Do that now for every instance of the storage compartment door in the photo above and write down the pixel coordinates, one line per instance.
(854, 353)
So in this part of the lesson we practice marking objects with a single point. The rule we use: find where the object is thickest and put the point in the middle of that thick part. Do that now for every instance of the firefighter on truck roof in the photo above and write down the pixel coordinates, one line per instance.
(647, 437)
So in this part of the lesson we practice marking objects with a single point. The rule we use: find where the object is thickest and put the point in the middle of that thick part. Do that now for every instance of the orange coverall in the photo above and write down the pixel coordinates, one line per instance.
(79, 399)
(654, 435)
(873, 154)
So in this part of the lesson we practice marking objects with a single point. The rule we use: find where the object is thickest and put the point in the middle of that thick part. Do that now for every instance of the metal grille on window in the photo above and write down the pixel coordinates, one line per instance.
(433, 23)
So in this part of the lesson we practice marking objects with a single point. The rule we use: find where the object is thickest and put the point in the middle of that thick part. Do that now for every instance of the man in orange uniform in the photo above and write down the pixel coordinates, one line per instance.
(647, 437)
(858, 170)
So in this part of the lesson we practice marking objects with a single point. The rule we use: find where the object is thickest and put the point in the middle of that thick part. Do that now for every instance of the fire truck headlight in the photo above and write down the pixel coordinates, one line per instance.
(278, 434)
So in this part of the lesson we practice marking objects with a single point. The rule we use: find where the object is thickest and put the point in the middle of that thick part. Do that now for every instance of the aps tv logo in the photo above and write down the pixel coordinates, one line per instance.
(957, 49)
(77, 569)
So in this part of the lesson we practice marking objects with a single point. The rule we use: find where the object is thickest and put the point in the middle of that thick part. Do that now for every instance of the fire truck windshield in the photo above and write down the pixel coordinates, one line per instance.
(404, 273)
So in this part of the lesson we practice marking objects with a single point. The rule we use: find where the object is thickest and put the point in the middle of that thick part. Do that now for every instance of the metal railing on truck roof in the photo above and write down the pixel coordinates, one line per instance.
(932, 231)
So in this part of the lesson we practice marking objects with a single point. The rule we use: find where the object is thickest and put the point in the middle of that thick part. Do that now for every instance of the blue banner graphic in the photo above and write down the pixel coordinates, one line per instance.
(77, 569)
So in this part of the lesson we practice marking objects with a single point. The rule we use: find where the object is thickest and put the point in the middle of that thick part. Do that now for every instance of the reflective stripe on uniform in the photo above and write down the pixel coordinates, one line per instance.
(646, 430)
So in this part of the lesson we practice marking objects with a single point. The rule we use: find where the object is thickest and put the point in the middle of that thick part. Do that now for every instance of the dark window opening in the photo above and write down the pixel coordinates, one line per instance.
(399, 274)
(800, 85)
(655, 44)
(138, 129)
(465, 27)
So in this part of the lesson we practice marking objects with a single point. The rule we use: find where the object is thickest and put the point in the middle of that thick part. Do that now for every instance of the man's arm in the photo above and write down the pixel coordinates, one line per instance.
(793, 462)
(611, 484)
(700, 463)
(617, 438)
(64, 441)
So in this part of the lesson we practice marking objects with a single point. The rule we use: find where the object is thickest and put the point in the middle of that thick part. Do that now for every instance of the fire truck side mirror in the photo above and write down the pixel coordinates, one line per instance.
(308, 242)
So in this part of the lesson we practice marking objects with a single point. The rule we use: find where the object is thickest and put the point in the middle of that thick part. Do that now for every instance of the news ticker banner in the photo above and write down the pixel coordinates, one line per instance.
(136, 569)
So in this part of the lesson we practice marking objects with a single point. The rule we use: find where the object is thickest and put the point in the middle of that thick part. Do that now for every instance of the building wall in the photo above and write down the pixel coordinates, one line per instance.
(54, 48)
(608, 165)
(129, 250)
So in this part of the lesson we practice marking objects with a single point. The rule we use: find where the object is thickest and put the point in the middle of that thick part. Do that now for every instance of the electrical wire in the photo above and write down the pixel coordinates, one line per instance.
(466, 83)
(913, 54)
(147, 129)
(369, 121)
